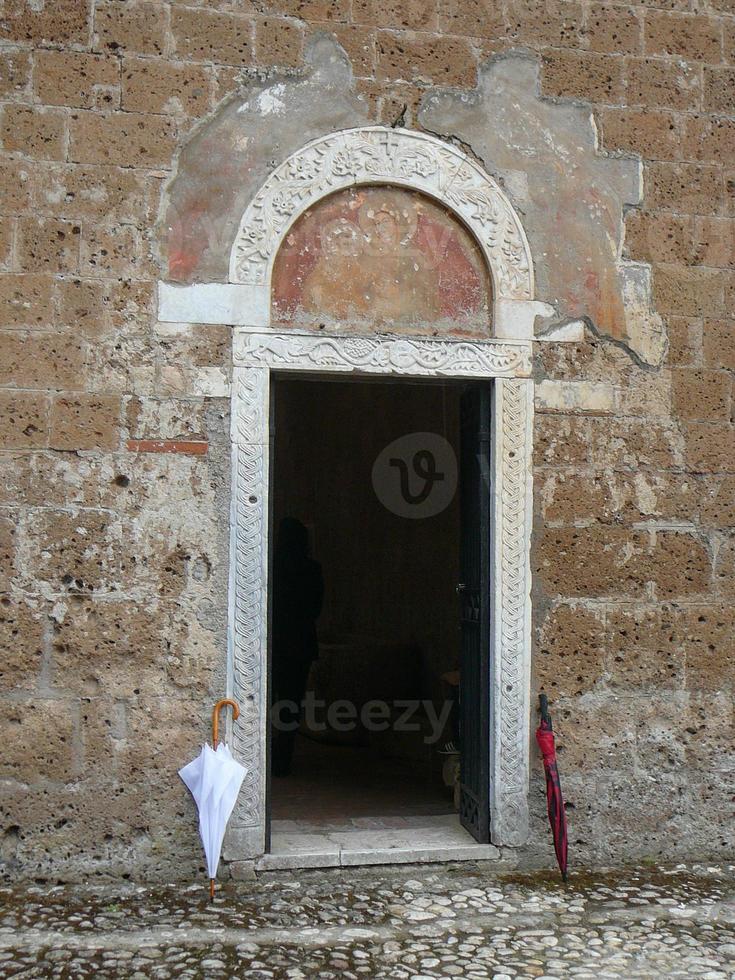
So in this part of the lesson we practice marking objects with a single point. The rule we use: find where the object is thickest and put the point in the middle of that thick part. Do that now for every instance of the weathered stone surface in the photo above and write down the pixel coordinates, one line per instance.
(94, 643)
(35, 133)
(610, 561)
(21, 636)
(114, 557)
(643, 653)
(132, 27)
(75, 79)
(23, 419)
(77, 552)
(40, 360)
(571, 654)
(613, 497)
(85, 422)
(505, 112)
(126, 139)
(38, 739)
(198, 238)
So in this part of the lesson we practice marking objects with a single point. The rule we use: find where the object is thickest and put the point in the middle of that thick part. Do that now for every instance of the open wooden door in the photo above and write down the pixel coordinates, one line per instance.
(474, 590)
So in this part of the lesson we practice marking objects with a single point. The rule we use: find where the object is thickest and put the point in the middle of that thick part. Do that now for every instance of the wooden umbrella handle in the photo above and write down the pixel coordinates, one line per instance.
(215, 717)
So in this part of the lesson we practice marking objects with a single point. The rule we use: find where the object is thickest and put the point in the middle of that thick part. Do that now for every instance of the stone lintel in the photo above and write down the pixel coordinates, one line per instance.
(214, 302)
(514, 319)
(591, 397)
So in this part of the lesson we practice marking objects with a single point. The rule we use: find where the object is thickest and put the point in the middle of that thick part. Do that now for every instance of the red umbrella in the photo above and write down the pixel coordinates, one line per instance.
(554, 799)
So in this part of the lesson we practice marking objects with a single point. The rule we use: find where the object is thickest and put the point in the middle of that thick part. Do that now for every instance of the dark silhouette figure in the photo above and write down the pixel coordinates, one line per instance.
(298, 592)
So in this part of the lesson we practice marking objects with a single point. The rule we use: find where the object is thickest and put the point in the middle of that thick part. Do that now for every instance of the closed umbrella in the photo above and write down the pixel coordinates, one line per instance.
(554, 799)
(214, 779)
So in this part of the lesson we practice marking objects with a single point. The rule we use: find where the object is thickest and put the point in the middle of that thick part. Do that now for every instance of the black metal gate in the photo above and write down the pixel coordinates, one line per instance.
(474, 589)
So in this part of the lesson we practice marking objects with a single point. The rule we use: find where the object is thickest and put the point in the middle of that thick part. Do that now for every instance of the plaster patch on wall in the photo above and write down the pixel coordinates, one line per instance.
(229, 156)
(571, 197)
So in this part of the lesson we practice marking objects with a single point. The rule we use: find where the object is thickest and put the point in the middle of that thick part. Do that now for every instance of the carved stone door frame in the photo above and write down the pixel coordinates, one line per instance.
(508, 364)
(376, 155)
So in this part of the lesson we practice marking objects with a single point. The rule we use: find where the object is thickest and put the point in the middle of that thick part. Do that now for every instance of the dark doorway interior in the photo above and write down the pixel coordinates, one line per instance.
(389, 626)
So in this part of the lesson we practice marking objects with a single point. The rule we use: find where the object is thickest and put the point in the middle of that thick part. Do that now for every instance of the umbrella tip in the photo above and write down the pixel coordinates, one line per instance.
(211, 889)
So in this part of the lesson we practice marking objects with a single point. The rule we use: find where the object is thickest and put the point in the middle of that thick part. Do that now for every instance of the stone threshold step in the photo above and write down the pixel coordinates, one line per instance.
(290, 855)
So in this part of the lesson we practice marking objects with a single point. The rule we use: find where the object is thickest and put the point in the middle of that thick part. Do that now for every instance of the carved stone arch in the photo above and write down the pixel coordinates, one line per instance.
(376, 155)
(422, 163)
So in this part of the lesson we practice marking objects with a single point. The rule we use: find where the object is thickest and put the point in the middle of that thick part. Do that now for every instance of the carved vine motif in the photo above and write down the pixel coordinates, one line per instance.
(378, 155)
(512, 774)
(248, 627)
(381, 355)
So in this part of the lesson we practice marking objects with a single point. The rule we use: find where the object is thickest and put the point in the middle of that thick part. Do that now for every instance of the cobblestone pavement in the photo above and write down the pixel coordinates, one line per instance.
(451, 921)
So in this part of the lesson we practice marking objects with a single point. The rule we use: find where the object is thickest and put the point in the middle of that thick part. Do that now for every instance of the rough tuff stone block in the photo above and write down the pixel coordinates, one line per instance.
(48, 245)
(556, 23)
(75, 191)
(685, 340)
(187, 727)
(642, 656)
(702, 633)
(200, 35)
(38, 740)
(714, 242)
(476, 18)
(130, 27)
(15, 180)
(15, 73)
(63, 22)
(659, 237)
(96, 307)
(591, 735)
(613, 29)
(418, 58)
(112, 251)
(718, 503)
(76, 79)
(719, 90)
(709, 447)
(655, 135)
(571, 654)
(125, 139)
(113, 647)
(77, 551)
(718, 344)
(682, 187)
(23, 419)
(725, 566)
(156, 86)
(21, 636)
(85, 422)
(42, 360)
(701, 394)
(710, 139)
(608, 561)
(8, 536)
(662, 84)
(278, 42)
(36, 133)
(693, 37)
(689, 291)
(572, 74)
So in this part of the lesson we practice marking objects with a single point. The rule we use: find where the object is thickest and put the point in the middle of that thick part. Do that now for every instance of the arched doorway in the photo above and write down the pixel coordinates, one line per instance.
(424, 351)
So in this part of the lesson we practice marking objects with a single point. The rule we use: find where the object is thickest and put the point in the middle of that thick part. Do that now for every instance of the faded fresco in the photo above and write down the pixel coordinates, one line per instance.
(384, 257)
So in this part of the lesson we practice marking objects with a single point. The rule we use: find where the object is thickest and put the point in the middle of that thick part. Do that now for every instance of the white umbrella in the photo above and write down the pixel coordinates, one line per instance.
(214, 779)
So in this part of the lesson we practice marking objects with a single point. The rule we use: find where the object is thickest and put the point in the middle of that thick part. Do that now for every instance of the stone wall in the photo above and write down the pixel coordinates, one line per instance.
(114, 428)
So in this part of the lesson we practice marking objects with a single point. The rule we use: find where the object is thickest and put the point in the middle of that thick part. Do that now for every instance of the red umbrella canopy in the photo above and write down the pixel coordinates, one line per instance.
(554, 798)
